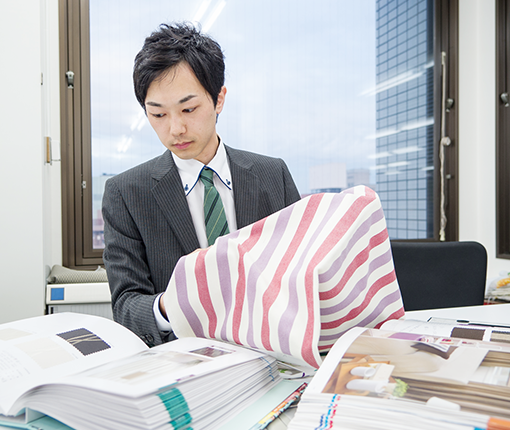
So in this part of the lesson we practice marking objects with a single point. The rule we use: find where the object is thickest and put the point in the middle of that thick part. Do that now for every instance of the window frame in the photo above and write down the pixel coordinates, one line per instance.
(446, 40)
(77, 245)
(502, 130)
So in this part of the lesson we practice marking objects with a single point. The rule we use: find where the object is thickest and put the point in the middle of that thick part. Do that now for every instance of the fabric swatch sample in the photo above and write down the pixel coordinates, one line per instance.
(294, 282)
(84, 341)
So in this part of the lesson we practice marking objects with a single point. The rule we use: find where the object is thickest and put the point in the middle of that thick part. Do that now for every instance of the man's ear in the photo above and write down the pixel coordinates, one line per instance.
(221, 99)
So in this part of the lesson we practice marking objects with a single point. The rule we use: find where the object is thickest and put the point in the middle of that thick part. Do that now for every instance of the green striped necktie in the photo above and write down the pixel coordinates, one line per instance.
(215, 219)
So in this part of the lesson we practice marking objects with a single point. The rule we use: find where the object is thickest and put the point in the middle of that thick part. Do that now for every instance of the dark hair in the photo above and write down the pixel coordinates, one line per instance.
(174, 44)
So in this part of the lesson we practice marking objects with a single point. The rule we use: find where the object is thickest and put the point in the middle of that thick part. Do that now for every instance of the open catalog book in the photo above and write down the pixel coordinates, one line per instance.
(446, 378)
(89, 373)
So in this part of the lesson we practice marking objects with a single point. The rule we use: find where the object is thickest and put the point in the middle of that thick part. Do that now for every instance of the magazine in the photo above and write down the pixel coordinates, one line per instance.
(382, 379)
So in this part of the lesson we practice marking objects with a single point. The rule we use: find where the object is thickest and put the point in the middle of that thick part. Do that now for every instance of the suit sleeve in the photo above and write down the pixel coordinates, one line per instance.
(133, 293)
(291, 192)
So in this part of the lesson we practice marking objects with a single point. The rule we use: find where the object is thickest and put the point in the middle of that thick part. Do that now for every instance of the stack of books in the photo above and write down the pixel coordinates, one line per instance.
(90, 373)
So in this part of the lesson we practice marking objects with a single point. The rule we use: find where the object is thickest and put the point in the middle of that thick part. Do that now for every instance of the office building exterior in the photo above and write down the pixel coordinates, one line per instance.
(405, 121)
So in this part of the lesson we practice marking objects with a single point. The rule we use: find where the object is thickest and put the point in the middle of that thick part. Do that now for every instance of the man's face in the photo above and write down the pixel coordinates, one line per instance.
(183, 114)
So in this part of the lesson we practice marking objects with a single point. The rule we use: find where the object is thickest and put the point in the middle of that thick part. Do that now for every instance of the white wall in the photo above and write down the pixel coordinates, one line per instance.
(51, 127)
(28, 208)
(477, 114)
(30, 188)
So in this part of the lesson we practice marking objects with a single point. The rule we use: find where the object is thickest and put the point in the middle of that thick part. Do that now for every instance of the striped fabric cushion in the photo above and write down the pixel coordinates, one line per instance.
(294, 282)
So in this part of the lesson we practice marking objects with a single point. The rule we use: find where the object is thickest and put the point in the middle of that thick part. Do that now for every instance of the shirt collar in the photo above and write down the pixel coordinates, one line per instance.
(189, 170)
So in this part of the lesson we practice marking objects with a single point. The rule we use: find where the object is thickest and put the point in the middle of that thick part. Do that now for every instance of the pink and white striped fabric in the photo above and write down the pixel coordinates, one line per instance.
(294, 282)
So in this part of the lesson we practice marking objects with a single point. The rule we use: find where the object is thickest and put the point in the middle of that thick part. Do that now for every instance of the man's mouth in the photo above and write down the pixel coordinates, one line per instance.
(182, 145)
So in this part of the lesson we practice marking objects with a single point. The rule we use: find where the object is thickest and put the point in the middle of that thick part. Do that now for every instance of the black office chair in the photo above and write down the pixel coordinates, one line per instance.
(435, 275)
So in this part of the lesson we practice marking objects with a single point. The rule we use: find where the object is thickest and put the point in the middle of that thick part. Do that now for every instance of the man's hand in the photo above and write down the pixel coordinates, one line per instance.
(162, 308)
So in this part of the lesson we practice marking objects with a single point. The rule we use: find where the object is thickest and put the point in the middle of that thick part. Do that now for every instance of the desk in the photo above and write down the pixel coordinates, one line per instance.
(495, 314)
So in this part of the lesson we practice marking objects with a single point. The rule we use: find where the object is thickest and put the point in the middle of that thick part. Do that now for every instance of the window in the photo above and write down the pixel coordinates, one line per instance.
(345, 92)
(502, 128)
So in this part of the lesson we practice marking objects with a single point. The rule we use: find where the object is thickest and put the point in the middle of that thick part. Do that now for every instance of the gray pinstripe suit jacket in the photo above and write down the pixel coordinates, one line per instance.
(148, 227)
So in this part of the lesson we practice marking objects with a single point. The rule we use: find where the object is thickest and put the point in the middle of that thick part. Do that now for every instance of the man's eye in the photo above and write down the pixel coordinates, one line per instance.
(158, 115)
(189, 110)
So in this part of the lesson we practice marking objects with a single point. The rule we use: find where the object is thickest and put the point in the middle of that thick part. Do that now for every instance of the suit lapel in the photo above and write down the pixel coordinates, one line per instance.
(170, 197)
(246, 188)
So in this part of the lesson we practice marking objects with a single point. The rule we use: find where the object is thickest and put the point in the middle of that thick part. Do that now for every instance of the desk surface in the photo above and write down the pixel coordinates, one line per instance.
(495, 314)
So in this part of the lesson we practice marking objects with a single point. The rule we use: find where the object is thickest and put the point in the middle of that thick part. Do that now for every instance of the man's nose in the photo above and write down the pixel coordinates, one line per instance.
(177, 126)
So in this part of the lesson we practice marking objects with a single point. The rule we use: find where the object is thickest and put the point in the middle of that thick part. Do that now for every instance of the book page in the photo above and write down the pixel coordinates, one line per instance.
(162, 366)
(472, 375)
(38, 350)
(451, 328)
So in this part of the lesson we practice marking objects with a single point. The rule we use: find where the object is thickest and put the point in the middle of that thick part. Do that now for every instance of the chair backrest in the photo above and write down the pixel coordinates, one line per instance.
(435, 275)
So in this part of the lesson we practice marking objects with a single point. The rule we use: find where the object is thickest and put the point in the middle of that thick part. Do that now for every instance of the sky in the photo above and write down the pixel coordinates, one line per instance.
(298, 78)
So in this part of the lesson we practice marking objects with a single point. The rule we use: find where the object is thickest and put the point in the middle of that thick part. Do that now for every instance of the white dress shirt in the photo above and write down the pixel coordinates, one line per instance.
(189, 171)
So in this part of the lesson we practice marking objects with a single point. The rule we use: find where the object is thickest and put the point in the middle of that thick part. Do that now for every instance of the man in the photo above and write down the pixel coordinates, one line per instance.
(154, 213)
